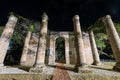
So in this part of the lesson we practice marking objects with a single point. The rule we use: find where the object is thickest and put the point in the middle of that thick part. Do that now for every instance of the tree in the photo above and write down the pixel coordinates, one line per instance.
(117, 25)
(17, 41)
(101, 38)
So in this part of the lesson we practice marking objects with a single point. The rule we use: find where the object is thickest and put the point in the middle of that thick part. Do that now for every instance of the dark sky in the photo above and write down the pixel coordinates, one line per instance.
(60, 12)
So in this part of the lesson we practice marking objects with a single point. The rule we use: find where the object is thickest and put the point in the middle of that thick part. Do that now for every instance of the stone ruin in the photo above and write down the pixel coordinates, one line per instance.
(40, 48)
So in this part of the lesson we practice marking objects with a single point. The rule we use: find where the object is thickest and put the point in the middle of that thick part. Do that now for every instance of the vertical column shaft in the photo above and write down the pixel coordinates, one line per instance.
(114, 38)
(67, 51)
(25, 49)
(51, 55)
(6, 36)
(40, 59)
(80, 44)
(94, 49)
(54, 53)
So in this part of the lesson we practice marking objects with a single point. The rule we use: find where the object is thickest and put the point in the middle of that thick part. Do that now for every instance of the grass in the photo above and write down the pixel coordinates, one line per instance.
(25, 77)
(94, 77)
(1, 29)
(25, 68)
(81, 76)
(105, 66)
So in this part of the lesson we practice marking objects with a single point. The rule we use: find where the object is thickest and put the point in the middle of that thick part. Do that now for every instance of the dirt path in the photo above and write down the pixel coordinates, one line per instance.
(60, 73)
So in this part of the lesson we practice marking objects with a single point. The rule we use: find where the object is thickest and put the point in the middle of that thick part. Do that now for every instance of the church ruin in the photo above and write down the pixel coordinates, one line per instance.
(47, 48)
(41, 49)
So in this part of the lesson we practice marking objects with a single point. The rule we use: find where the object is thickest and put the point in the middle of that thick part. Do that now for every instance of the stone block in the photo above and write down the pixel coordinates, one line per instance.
(117, 67)
(37, 69)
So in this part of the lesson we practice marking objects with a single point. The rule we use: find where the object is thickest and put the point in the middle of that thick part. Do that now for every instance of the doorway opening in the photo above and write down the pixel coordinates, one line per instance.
(60, 50)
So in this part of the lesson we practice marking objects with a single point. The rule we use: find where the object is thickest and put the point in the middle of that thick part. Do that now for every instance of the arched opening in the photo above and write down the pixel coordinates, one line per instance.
(60, 50)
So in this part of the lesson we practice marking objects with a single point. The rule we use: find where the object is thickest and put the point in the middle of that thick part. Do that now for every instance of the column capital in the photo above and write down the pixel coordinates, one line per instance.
(44, 17)
(90, 31)
(106, 17)
(6, 36)
(76, 17)
(13, 18)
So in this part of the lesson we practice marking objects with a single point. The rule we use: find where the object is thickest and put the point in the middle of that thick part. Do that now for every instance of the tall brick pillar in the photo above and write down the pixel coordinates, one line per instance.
(52, 50)
(40, 59)
(79, 39)
(6, 36)
(94, 49)
(25, 49)
(67, 57)
(114, 39)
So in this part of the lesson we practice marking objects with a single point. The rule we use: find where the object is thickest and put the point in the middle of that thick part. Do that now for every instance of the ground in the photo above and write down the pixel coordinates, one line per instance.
(62, 72)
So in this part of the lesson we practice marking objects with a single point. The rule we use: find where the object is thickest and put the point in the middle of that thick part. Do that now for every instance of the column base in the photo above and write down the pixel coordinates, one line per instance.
(83, 69)
(83, 65)
(23, 63)
(39, 65)
(26, 64)
(80, 66)
(37, 69)
(97, 63)
(117, 67)
(51, 63)
(1, 65)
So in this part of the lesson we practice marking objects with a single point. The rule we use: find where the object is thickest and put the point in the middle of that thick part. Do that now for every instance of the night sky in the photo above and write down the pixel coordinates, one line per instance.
(61, 12)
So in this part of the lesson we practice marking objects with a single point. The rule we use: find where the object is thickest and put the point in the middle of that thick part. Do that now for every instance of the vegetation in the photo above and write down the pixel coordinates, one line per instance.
(17, 41)
(60, 48)
(94, 77)
(1, 29)
(101, 38)
(99, 76)
(25, 77)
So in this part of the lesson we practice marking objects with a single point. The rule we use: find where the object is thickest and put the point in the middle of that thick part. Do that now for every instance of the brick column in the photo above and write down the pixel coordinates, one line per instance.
(6, 36)
(114, 39)
(79, 39)
(67, 50)
(51, 54)
(94, 49)
(25, 49)
(40, 59)
(54, 53)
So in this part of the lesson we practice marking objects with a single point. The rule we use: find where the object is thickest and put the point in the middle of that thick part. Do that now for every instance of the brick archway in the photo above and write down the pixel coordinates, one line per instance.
(53, 37)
